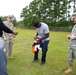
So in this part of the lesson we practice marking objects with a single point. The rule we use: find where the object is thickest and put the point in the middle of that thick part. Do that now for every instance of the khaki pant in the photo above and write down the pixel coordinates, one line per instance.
(71, 55)
(8, 45)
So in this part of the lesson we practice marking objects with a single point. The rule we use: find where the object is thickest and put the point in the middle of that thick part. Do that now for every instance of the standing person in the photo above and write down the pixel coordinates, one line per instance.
(72, 47)
(43, 33)
(8, 38)
(3, 59)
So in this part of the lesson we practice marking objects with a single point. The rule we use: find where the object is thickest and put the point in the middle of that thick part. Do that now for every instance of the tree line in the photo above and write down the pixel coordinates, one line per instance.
(56, 13)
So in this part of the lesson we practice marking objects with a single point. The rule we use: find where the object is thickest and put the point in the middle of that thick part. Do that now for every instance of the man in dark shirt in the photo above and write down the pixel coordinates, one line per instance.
(3, 59)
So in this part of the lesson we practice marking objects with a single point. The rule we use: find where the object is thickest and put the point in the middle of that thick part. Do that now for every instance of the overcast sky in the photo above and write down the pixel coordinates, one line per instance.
(13, 7)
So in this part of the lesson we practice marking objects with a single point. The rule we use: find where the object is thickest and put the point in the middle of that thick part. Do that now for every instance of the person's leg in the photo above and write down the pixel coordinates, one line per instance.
(10, 49)
(36, 56)
(44, 51)
(70, 60)
(3, 59)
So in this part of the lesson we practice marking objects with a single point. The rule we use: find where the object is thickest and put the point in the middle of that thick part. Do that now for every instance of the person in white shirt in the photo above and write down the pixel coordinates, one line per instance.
(43, 32)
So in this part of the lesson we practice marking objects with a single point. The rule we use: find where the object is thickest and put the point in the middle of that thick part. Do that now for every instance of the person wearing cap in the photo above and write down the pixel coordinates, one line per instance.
(8, 38)
(72, 47)
(3, 58)
(43, 32)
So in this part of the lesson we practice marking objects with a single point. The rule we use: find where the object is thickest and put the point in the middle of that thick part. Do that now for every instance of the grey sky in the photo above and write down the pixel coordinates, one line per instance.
(13, 7)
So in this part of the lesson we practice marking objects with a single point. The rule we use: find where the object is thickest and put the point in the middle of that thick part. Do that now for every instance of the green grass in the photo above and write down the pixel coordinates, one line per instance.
(56, 60)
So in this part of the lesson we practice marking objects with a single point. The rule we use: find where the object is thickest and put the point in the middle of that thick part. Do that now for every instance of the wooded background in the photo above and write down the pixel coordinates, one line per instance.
(55, 13)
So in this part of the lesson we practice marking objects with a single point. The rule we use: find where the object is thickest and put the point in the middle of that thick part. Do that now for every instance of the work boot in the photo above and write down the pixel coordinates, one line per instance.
(68, 70)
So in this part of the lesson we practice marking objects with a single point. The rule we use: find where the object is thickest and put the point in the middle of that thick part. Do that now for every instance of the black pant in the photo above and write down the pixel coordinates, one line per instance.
(44, 51)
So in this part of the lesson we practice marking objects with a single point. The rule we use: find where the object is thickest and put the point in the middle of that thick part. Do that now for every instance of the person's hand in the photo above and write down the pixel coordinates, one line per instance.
(68, 36)
(72, 37)
(37, 39)
(15, 33)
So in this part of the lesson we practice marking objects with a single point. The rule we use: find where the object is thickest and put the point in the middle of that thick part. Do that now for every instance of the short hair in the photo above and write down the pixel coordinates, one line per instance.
(36, 23)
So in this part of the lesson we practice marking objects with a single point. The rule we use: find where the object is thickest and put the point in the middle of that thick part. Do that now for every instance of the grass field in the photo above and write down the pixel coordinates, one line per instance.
(57, 55)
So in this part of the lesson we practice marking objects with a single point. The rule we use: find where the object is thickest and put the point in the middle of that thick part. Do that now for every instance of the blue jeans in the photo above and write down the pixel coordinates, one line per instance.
(44, 46)
(3, 59)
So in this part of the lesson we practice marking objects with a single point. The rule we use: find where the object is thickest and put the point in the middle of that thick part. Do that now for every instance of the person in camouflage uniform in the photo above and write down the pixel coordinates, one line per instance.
(3, 58)
(9, 37)
(72, 47)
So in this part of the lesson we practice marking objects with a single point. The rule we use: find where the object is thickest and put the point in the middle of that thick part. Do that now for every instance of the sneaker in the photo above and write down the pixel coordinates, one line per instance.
(10, 57)
(68, 70)
(42, 63)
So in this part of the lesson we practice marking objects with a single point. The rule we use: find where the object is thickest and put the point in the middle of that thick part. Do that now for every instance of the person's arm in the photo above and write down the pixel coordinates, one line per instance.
(74, 38)
(6, 29)
(36, 36)
(46, 31)
(46, 36)
(38, 39)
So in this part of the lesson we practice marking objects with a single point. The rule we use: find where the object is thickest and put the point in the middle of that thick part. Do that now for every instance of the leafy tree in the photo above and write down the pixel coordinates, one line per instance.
(52, 12)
